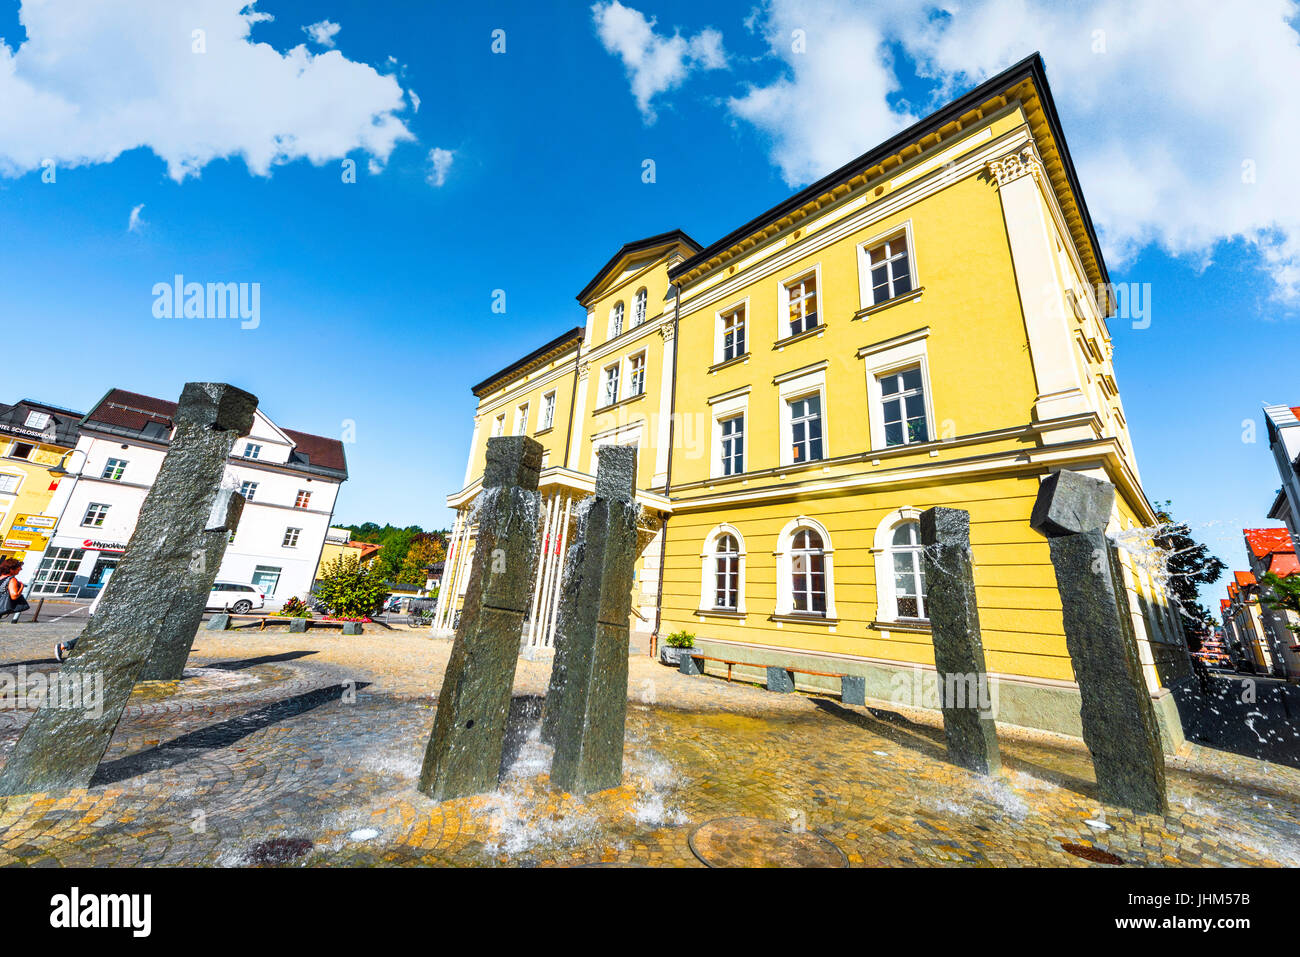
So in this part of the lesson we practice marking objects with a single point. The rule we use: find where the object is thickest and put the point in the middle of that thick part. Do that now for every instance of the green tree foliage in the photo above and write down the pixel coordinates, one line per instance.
(1282, 594)
(394, 544)
(424, 550)
(350, 591)
(1190, 565)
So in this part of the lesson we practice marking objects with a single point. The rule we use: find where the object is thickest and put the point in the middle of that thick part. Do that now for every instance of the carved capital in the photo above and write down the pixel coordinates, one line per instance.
(1022, 162)
(583, 368)
(666, 330)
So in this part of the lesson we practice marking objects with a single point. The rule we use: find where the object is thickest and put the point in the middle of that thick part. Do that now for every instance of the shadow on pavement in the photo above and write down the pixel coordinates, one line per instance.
(191, 745)
(263, 660)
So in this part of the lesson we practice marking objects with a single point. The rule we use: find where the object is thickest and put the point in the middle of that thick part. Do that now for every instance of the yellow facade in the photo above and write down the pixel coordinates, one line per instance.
(990, 319)
(28, 457)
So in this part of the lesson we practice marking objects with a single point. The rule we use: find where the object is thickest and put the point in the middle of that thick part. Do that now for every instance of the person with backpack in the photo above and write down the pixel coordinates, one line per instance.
(11, 589)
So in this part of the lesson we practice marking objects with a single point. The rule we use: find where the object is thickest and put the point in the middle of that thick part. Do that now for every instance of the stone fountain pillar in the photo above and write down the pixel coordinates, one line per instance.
(958, 649)
(1119, 724)
(61, 746)
(463, 755)
(586, 704)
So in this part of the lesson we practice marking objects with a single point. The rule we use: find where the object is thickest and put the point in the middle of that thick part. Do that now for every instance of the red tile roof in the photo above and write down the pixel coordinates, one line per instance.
(1223, 604)
(1244, 578)
(131, 410)
(1284, 564)
(1266, 541)
(1295, 410)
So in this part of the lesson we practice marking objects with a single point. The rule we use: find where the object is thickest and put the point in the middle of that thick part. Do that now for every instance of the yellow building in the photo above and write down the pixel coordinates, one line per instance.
(924, 326)
(338, 542)
(35, 440)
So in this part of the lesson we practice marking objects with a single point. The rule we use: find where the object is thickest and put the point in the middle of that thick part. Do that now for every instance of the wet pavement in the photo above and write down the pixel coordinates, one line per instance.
(290, 750)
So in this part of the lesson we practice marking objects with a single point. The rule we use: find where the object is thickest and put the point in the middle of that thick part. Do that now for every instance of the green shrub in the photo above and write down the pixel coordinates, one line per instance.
(350, 591)
(681, 639)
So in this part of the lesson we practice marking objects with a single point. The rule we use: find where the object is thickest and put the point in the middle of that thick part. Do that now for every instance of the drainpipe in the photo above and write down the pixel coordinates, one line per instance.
(573, 398)
(668, 477)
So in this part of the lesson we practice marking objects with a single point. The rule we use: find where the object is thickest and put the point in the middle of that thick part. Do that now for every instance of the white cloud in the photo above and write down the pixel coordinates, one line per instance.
(135, 222)
(439, 165)
(654, 63)
(94, 80)
(415, 100)
(323, 33)
(1166, 105)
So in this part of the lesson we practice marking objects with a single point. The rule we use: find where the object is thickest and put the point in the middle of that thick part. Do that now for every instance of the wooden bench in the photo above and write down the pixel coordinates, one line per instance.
(263, 620)
(780, 677)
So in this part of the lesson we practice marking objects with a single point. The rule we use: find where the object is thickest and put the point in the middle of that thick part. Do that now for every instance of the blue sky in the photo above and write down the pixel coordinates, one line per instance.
(376, 295)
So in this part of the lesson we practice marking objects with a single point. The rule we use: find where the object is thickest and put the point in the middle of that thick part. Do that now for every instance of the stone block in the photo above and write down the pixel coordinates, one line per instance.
(297, 625)
(1070, 502)
(219, 623)
(217, 405)
(689, 664)
(779, 679)
(853, 690)
(352, 628)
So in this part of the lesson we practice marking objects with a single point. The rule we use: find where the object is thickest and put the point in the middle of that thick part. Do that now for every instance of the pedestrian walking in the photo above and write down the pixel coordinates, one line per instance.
(11, 589)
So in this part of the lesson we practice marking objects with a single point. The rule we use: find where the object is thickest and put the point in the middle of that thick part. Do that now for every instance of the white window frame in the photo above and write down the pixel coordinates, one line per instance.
(631, 374)
(721, 408)
(865, 292)
(298, 501)
(708, 570)
(783, 298)
(521, 420)
(616, 316)
(640, 306)
(606, 380)
(252, 450)
(248, 489)
(18, 482)
(291, 532)
(719, 319)
(548, 411)
(798, 385)
(785, 569)
(42, 419)
(108, 468)
(895, 355)
(883, 553)
(100, 509)
(499, 425)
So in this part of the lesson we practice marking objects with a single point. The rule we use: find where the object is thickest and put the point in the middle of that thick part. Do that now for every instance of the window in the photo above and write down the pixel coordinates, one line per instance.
(806, 429)
(548, 411)
(291, 537)
(37, 420)
(909, 571)
(58, 572)
(21, 450)
(733, 445)
(265, 579)
(808, 568)
(616, 320)
(9, 483)
(248, 490)
(521, 420)
(95, 515)
(726, 562)
(636, 375)
(303, 500)
(639, 308)
(902, 396)
(499, 427)
(733, 334)
(113, 470)
(252, 451)
(890, 269)
(610, 394)
(801, 303)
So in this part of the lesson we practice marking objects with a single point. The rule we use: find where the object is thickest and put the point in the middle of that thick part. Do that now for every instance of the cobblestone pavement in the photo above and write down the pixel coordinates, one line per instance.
(281, 749)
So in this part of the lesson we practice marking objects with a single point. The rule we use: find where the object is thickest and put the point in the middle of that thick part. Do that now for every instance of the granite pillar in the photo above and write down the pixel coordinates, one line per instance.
(1119, 725)
(586, 704)
(463, 755)
(958, 647)
(61, 747)
(171, 649)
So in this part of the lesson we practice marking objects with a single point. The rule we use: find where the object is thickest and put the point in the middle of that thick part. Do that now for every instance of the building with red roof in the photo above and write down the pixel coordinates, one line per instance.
(1272, 551)
(290, 481)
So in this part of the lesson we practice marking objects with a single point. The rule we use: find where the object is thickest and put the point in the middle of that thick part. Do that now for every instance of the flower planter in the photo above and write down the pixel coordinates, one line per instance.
(673, 656)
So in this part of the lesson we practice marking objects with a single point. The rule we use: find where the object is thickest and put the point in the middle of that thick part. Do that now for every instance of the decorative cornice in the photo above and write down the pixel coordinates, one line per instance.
(1015, 165)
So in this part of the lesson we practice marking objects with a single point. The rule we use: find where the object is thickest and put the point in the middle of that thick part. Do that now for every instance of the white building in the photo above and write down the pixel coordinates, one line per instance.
(1284, 441)
(291, 480)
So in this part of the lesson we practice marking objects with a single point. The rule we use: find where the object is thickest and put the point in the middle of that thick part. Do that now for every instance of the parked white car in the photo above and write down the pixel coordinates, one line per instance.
(239, 598)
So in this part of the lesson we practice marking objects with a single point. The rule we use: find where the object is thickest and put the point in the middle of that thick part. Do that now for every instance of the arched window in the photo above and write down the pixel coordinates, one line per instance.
(805, 571)
(909, 571)
(616, 320)
(639, 307)
(808, 571)
(722, 571)
(726, 571)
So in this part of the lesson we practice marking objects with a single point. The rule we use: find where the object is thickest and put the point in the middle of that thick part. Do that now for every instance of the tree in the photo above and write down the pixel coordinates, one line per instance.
(351, 591)
(425, 549)
(1190, 564)
(1283, 594)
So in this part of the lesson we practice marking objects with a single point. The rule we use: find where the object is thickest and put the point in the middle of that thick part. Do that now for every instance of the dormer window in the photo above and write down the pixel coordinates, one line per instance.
(252, 451)
(37, 420)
